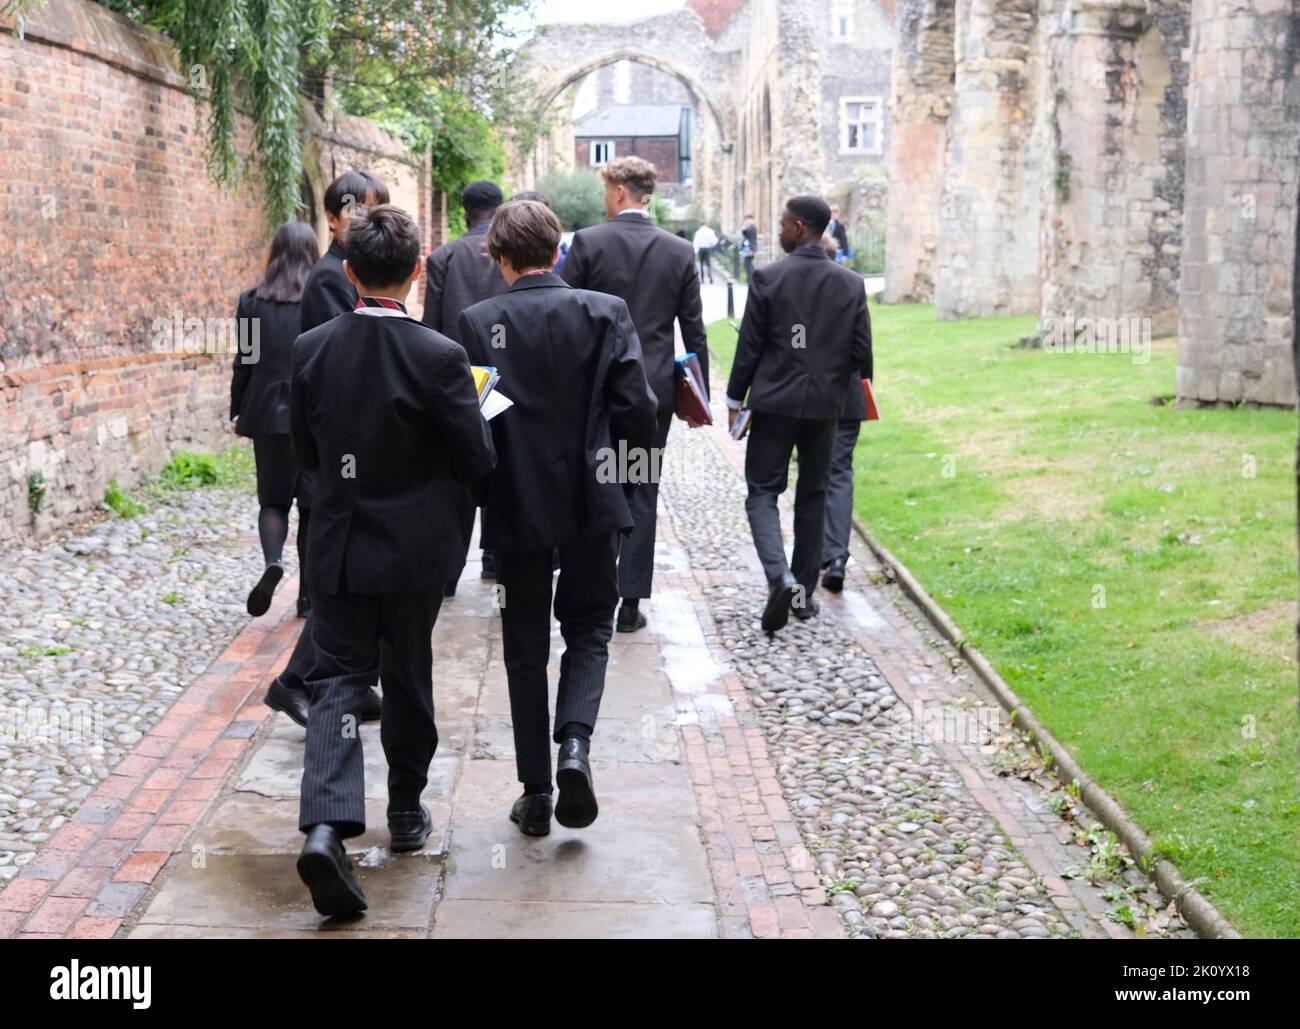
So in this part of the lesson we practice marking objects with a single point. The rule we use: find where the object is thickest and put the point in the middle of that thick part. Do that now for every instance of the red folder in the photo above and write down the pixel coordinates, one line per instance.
(873, 412)
(692, 403)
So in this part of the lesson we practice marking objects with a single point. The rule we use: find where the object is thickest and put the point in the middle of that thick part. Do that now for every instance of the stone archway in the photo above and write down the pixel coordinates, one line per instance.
(560, 56)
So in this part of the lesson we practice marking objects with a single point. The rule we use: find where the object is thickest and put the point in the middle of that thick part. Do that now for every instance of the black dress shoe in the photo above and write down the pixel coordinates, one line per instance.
(409, 829)
(291, 700)
(259, 598)
(372, 707)
(304, 607)
(777, 610)
(327, 870)
(576, 808)
(532, 813)
(807, 609)
(629, 618)
(833, 580)
(489, 565)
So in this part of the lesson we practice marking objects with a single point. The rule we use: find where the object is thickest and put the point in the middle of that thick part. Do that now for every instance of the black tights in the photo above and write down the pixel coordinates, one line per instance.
(273, 529)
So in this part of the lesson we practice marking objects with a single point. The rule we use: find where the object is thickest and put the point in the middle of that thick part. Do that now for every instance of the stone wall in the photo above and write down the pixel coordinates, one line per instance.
(1112, 203)
(922, 98)
(1106, 160)
(1237, 318)
(117, 236)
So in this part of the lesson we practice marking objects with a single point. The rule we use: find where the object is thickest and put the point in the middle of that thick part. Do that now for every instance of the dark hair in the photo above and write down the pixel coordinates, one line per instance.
(526, 233)
(383, 246)
(354, 188)
(481, 197)
(749, 216)
(532, 194)
(293, 252)
(810, 210)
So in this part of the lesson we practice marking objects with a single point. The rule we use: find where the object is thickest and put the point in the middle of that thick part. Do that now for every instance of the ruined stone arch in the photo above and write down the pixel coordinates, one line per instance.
(675, 44)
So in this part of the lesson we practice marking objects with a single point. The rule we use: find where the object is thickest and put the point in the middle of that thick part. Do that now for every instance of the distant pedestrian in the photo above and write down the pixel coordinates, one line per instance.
(749, 245)
(705, 241)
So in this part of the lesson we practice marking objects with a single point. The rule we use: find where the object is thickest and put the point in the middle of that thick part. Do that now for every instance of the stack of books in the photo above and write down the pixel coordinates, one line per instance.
(490, 401)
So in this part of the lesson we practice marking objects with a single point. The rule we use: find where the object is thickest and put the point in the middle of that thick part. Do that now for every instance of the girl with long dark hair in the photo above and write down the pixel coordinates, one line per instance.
(269, 318)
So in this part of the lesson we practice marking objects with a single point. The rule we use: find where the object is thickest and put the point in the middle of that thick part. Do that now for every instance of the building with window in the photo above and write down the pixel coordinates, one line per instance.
(659, 133)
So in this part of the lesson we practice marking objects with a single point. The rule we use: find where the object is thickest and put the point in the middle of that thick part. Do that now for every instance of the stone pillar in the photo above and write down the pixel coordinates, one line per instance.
(1237, 319)
(922, 72)
(1113, 182)
(797, 153)
(988, 224)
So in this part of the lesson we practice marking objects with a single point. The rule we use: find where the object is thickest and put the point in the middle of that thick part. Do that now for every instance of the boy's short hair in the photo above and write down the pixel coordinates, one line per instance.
(383, 246)
(532, 194)
(636, 173)
(811, 210)
(354, 189)
(480, 197)
(524, 232)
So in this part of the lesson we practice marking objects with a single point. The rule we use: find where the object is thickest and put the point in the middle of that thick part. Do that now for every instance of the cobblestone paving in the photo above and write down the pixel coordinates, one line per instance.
(101, 629)
(813, 745)
(903, 847)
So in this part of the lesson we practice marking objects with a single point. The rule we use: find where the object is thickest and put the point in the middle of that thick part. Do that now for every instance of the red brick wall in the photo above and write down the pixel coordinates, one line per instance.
(111, 222)
(715, 13)
(661, 151)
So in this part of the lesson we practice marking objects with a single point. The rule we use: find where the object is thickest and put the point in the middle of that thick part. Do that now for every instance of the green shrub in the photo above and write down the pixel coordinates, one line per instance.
(188, 470)
(120, 502)
(578, 197)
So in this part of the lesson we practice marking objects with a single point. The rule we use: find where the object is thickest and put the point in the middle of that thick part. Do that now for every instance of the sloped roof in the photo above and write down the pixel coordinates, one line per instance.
(631, 120)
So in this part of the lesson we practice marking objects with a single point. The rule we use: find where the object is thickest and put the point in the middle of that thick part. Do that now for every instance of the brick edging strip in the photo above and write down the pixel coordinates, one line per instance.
(1195, 907)
(99, 869)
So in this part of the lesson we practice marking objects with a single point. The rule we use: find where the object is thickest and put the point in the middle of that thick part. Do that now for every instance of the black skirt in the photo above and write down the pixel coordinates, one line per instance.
(278, 478)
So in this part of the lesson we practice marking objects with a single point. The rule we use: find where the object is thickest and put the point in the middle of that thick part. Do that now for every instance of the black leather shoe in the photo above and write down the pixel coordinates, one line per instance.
(576, 808)
(290, 700)
(372, 708)
(807, 609)
(409, 829)
(327, 870)
(629, 619)
(532, 813)
(833, 580)
(489, 566)
(304, 607)
(259, 599)
(777, 610)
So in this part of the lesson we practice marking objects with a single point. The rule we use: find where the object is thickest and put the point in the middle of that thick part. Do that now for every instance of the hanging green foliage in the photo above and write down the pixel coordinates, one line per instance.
(435, 72)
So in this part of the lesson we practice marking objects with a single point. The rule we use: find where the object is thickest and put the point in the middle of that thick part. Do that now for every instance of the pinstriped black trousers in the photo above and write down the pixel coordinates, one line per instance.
(585, 597)
(350, 633)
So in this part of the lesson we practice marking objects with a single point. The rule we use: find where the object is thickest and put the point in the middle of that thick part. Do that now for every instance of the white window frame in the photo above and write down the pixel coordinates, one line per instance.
(877, 104)
(841, 9)
(594, 145)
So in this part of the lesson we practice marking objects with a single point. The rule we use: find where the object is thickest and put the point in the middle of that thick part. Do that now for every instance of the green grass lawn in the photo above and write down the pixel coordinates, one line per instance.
(1128, 567)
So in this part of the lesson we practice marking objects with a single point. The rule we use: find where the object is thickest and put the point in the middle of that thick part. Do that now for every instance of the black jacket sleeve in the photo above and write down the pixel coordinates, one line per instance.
(753, 336)
(435, 280)
(632, 405)
(690, 314)
(457, 414)
(862, 338)
(243, 370)
(304, 444)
